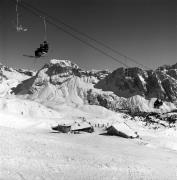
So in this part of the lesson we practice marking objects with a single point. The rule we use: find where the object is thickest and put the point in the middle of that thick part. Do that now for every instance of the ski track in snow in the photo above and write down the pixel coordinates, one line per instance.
(29, 154)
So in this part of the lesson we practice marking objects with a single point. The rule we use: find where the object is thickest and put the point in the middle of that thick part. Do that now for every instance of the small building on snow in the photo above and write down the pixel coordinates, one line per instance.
(62, 128)
(122, 130)
(75, 127)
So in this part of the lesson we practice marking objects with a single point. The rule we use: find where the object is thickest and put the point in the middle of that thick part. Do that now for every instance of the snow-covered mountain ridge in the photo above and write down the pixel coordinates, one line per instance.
(61, 70)
(60, 81)
(127, 82)
(63, 81)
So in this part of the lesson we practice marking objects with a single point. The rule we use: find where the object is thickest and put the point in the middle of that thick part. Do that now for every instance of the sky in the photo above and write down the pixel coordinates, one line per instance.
(144, 30)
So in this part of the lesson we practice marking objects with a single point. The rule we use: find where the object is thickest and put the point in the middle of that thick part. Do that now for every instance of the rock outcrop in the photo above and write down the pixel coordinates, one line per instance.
(127, 82)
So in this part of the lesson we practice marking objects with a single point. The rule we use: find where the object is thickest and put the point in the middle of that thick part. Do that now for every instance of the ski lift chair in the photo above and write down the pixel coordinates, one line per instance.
(42, 50)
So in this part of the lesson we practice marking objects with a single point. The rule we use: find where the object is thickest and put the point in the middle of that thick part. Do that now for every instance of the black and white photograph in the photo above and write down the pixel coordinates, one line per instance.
(88, 90)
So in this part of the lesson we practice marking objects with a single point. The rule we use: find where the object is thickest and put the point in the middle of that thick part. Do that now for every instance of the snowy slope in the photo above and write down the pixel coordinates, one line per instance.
(10, 77)
(21, 113)
(29, 149)
(50, 156)
(25, 108)
(61, 92)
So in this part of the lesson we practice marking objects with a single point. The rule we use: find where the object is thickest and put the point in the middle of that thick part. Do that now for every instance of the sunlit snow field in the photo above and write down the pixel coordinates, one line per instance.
(31, 150)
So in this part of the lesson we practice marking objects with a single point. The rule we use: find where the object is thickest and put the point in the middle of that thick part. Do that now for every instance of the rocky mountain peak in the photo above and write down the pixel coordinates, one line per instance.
(58, 71)
(127, 82)
(63, 63)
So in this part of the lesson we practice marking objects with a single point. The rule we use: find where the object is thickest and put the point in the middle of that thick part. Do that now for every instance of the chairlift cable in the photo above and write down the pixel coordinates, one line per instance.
(81, 40)
(74, 36)
(86, 35)
(90, 45)
(45, 30)
(17, 16)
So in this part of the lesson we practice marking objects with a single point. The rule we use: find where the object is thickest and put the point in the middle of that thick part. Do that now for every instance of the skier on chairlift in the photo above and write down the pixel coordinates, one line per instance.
(45, 47)
(42, 50)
